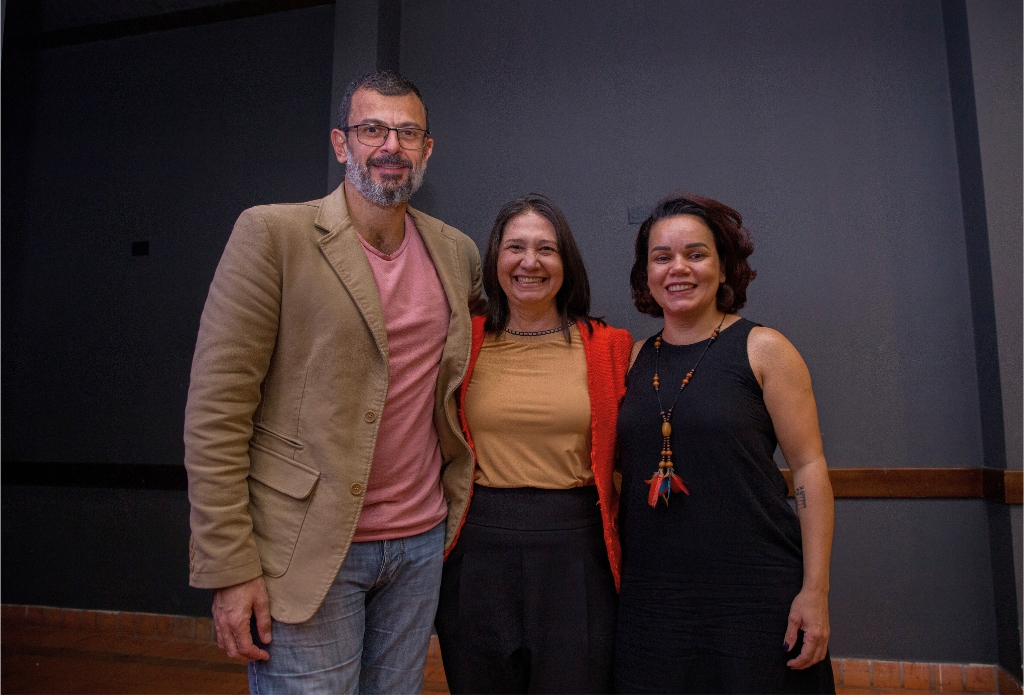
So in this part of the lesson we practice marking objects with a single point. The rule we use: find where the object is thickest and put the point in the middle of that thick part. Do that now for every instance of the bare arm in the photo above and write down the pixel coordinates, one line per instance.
(789, 399)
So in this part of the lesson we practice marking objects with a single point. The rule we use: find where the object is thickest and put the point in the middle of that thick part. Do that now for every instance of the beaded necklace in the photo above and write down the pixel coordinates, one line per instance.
(531, 334)
(664, 481)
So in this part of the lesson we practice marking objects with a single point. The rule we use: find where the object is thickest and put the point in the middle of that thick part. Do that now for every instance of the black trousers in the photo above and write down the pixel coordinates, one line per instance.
(528, 602)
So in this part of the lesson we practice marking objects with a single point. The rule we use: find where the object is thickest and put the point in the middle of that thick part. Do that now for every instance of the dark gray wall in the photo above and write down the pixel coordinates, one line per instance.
(996, 47)
(829, 126)
(912, 580)
(99, 549)
(163, 137)
(826, 124)
(355, 53)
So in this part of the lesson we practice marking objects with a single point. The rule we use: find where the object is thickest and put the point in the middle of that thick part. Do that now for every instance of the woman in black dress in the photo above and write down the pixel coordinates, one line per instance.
(724, 585)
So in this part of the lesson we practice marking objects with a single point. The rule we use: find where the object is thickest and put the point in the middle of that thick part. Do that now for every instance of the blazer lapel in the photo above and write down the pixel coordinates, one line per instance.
(443, 250)
(444, 253)
(341, 246)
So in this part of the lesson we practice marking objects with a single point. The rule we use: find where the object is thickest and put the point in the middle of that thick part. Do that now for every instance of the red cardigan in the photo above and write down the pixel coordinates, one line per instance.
(607, 352)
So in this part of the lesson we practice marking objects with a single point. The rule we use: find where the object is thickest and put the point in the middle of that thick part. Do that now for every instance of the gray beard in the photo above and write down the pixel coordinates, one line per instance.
(383, 194)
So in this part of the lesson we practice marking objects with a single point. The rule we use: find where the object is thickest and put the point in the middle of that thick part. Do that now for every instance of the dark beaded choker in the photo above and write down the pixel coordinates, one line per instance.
(664, 481)
(531, 334)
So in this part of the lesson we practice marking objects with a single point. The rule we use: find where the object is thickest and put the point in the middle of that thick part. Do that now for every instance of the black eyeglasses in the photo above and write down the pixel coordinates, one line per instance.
(375, 135)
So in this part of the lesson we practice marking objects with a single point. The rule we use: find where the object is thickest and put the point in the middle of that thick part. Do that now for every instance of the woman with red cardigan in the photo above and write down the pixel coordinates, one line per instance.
(528, 594)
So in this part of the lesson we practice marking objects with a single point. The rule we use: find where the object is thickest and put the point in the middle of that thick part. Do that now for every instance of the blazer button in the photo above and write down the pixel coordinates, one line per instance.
(370, 416)
(356, 489)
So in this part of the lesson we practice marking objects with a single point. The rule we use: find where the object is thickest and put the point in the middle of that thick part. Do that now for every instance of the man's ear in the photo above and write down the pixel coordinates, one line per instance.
(428, 148)
(340, 144)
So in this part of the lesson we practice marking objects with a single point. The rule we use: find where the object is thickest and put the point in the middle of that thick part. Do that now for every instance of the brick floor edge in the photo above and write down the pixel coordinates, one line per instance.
(921, 676)
(849, 673)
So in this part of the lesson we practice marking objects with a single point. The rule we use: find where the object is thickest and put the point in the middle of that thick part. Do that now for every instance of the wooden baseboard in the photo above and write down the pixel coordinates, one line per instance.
(123, 623)
(923, 483)
(881, 483)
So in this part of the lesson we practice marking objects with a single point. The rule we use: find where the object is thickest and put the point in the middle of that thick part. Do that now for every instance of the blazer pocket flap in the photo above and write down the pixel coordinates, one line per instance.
(282, 474)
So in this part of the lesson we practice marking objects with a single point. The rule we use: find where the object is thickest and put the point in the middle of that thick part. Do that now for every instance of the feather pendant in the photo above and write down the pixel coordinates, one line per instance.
(677, 484)
(655, 482)
(663, 483)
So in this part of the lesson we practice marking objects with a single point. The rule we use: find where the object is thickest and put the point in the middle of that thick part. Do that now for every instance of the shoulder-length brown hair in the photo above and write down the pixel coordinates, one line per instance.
(573, 298)
(732, 242)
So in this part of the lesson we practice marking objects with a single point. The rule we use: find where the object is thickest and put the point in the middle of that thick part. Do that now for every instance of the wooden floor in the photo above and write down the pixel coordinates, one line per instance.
(36, 658)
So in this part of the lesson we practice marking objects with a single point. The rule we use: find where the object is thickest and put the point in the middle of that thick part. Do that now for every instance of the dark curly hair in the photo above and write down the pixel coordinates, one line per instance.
(732, 242)
(573, 298)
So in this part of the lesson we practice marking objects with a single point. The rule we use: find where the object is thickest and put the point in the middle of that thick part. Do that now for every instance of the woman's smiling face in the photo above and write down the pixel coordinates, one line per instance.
(683, 267)
(529, 263)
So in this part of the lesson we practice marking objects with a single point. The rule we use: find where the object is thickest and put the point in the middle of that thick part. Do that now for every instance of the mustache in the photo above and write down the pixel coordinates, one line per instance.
(389, 160)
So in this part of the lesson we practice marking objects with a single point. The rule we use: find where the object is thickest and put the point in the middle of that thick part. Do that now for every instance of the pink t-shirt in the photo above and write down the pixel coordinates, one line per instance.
(404, 495)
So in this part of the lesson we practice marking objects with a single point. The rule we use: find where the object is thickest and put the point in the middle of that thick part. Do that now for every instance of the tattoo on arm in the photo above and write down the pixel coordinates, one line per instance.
(801, 497)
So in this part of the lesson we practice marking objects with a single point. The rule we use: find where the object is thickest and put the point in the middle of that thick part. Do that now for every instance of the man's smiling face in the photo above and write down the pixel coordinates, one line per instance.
(386, 174)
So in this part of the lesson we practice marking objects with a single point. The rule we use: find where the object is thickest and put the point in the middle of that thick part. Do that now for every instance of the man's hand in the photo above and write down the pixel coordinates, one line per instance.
(233, 607)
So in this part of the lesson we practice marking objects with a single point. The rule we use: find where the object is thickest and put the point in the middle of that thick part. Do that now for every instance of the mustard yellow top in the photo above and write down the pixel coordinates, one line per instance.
(528, 410)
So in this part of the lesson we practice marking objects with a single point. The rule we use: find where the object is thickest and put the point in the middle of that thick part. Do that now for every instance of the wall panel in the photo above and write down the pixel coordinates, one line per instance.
(829, 126)
(161, 137)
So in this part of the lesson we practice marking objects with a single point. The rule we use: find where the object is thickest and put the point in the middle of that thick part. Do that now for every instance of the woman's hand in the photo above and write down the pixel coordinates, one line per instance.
(809, 613)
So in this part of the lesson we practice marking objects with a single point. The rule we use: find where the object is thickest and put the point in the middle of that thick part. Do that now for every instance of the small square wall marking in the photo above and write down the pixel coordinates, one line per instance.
(140, 248)
(636, 214)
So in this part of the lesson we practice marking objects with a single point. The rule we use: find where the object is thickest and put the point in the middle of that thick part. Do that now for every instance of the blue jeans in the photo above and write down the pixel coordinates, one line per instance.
(372, 632)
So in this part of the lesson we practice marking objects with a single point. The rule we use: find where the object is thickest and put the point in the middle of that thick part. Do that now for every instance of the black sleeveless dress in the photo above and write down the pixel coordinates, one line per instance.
(707, 581)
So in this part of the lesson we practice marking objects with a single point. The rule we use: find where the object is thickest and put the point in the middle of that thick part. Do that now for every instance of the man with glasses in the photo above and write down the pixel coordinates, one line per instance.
(321, 412)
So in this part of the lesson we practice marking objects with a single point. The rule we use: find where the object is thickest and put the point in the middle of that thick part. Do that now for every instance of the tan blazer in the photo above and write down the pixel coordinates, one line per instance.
(288, 383)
